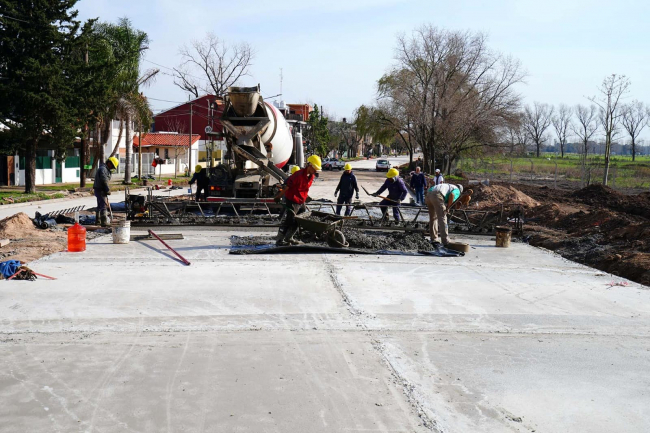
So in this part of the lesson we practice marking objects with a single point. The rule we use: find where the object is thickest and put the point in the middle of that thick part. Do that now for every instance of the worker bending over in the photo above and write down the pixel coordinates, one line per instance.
(396, 193)
(103, 190)
(439, 199)
(347, 185)
(202, 182)
(293, 197)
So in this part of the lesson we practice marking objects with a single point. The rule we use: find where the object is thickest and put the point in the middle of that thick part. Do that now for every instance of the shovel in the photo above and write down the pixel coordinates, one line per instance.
(379, 196)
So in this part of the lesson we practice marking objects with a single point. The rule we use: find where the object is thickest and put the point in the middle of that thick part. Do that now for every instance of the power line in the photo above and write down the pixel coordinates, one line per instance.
(15, 19)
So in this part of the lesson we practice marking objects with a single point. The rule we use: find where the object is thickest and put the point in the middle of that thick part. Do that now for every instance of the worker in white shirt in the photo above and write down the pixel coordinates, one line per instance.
(438, 177)
(439, 199)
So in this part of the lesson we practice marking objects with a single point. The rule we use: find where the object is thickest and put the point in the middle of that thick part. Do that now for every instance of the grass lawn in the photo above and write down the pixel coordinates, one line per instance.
(8, 197)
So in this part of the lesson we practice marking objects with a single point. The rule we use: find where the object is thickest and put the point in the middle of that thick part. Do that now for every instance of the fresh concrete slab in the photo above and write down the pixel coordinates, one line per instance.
(129, 339)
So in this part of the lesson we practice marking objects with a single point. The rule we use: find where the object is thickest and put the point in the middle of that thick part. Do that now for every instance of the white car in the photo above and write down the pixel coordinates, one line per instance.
(382, 165)
(333, 164)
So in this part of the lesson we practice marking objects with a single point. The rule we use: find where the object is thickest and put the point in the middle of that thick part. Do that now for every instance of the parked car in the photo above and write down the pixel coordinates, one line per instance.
(333, 164)
(382, 165)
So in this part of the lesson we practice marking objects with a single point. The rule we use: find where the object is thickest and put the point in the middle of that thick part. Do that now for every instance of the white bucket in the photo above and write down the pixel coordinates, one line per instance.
(121, 232)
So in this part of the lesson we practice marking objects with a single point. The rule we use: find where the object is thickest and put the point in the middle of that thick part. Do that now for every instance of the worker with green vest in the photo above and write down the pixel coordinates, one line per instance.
(439, 199)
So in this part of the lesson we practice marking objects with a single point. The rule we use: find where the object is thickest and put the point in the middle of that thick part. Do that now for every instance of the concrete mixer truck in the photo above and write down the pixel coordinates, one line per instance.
(259, 145)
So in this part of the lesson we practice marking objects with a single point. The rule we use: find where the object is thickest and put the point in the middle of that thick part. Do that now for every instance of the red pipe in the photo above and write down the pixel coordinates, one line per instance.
(184, 260)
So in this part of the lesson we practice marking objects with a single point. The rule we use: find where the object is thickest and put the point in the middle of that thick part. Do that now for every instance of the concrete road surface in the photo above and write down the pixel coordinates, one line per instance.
(128, 339)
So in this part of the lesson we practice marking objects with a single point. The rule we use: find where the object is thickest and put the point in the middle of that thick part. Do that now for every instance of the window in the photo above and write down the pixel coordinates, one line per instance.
(166, 153)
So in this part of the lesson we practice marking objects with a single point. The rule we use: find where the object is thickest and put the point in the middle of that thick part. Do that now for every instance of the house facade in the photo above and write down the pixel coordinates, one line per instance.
(204, 115)
(171, 147)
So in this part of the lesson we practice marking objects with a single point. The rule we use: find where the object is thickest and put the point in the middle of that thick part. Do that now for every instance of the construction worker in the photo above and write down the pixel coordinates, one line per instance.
(294, 169)
(202, 182)
(418, 183)
(293, 197)
(438, 179)
(439, 199)
(396, 193)
(347, 185)
(102, 189)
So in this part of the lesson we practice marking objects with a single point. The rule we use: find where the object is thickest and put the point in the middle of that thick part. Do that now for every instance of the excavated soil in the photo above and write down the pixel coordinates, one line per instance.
(27, 241)
(595, 225)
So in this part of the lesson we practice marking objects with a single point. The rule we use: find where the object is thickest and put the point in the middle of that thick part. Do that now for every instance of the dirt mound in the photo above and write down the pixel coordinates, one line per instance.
(17, 226)
(604, 196)
(493, 195)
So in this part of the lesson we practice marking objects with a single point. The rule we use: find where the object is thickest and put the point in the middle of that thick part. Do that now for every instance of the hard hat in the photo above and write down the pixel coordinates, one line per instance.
(392, 173)
(114, 161)
(460, 187)
(294, 169)
(437, 170)
(198, 168)
(314, 160)
(347, 167)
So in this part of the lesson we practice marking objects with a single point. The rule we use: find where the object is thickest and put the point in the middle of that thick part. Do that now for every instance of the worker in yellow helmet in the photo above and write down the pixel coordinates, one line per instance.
(293, 197)
(347, 185)
(294, 169)
(396, 193)
(102, 189)
(202, 182)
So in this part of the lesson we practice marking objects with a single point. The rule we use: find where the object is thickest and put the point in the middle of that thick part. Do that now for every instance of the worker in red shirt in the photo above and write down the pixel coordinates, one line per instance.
(293, 196)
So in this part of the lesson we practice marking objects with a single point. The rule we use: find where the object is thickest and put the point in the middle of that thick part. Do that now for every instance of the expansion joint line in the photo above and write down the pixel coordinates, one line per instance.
(408, 389)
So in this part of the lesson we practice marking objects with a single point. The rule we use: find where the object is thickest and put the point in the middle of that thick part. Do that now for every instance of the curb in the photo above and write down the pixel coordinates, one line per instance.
(55, 200)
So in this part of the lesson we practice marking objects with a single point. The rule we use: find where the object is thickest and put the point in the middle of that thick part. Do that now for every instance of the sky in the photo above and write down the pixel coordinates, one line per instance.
(332, 52)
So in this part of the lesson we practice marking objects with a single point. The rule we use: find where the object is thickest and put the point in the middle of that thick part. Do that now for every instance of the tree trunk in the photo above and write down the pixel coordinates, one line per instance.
(538, 146)
(116, 148)
(633, 150)
(608, 144)
(83, 151)
(30, 166)
(129, 151)
(561, 150)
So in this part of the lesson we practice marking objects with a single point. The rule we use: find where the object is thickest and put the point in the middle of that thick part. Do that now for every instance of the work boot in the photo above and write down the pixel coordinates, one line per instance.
(96, 217)
(105, 221)
(281, 243)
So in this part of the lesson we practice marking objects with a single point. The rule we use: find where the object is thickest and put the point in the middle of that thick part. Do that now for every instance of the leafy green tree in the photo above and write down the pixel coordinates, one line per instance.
(37, 40)
(318, 132)
(127, 47)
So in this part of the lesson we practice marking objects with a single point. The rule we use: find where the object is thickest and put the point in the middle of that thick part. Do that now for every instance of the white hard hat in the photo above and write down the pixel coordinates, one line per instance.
(437, 170)
(460, 187)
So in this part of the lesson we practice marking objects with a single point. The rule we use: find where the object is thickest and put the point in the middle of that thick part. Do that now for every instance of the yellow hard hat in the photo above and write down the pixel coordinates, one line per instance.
(314, 160)
(294, 169)
(392, 173)
(198, 168)
(347, 167)
(114, 161)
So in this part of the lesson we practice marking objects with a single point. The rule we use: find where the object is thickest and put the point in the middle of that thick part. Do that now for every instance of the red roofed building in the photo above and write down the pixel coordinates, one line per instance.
(170, 146)
(204, 111)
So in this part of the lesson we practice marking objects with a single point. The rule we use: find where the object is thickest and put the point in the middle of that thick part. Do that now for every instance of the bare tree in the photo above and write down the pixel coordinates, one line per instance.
(587, 125)
(562, 123)
(536, 121)
(457, 92)
(516, 137)
(612, 90)
(635, 116)
(211, 66)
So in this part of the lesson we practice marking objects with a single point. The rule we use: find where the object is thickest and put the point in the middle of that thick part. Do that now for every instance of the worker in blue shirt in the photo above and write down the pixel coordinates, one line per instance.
(418, 183)
(396, 193)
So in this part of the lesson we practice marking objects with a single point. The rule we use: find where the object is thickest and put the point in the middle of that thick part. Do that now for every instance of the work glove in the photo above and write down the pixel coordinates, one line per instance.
(374, 194)
(108, 193)
(357, 196)
(335, 192)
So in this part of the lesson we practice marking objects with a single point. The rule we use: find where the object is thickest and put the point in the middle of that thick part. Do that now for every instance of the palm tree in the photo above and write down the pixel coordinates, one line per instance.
(127, 48)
